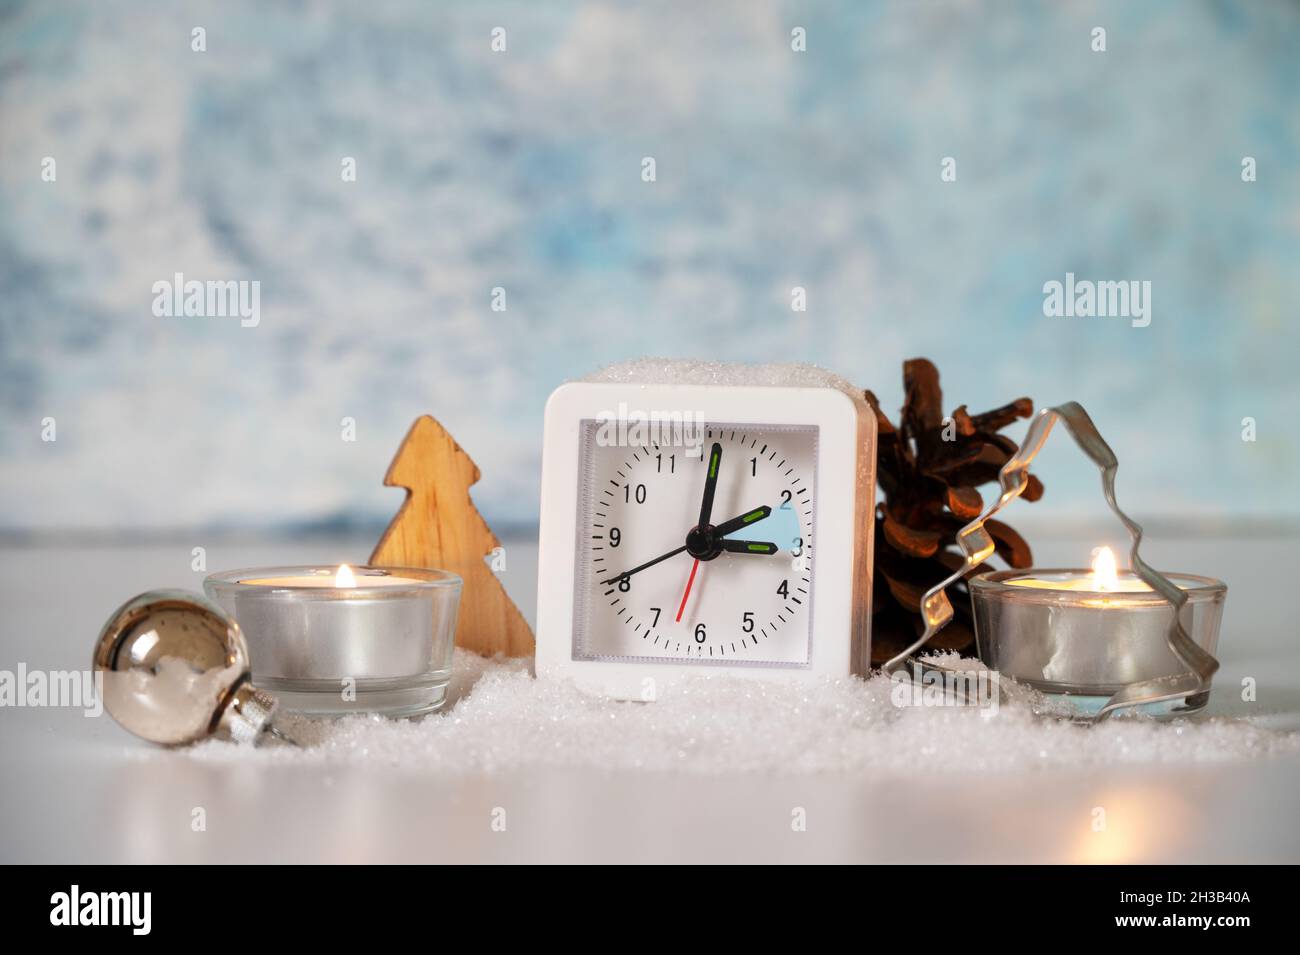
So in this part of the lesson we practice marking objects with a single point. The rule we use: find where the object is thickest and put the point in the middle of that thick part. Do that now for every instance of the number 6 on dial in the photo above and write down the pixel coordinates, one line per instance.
(691, 528)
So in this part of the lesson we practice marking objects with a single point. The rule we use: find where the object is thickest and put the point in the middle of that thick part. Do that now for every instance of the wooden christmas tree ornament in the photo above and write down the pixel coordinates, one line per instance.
(439, 527)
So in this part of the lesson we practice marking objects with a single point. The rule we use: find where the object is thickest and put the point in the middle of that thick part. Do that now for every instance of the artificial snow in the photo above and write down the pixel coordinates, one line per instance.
(680, 371)
(500, 718)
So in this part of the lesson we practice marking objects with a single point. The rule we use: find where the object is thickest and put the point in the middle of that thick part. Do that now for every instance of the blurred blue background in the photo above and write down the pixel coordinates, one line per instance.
(522, 169)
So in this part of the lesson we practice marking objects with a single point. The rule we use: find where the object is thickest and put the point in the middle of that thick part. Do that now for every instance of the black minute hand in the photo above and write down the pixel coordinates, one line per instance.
(710, 485)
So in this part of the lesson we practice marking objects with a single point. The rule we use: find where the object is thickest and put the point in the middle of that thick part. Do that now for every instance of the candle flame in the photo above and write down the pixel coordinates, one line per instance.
(1105, 572)
(345, 577)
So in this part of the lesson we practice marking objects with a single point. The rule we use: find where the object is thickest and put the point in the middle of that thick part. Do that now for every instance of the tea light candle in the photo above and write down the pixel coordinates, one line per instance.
(1104, 578)
(343, 578)
(329, 641)
(1087, 633)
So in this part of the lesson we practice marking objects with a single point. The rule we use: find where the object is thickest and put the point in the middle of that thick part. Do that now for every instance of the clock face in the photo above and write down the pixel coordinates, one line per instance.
(654, 583)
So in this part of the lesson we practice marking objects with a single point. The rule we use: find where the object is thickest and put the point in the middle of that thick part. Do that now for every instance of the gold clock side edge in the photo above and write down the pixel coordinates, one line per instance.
(865, 516)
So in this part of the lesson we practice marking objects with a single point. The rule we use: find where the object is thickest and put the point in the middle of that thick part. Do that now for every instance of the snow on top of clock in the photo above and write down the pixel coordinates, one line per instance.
(681, 371)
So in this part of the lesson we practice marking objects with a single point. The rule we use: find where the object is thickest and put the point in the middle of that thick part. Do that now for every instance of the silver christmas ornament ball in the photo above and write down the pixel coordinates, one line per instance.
(176, 670)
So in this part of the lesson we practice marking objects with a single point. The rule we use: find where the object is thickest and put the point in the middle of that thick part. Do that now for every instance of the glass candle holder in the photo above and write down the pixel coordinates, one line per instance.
(331, 641)
(1052, 630)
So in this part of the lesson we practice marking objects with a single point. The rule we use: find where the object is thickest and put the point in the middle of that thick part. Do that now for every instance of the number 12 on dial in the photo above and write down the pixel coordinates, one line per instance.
(730, 529)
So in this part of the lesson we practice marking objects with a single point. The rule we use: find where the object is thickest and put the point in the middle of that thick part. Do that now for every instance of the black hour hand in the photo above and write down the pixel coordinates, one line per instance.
(747, 547)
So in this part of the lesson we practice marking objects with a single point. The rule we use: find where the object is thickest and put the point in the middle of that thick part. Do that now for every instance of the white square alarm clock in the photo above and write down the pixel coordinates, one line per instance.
(691, 528)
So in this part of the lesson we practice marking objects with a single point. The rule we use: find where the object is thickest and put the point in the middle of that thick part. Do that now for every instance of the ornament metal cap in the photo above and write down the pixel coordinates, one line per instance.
(176, 670)
(247, 714)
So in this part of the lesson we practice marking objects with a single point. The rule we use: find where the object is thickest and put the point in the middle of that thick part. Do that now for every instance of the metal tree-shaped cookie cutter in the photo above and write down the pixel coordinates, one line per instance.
(976, 544)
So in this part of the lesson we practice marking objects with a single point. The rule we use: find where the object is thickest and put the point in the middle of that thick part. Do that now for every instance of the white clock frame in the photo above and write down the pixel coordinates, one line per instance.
(845, 496)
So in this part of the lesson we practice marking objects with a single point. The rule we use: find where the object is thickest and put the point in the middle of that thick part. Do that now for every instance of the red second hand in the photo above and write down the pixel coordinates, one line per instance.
(689, 580)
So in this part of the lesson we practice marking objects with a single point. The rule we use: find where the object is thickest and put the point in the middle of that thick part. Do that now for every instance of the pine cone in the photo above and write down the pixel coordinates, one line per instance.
(930, 470)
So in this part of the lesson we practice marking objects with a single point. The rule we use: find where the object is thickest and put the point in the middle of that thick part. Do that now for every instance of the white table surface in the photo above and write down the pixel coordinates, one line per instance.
(82, 790)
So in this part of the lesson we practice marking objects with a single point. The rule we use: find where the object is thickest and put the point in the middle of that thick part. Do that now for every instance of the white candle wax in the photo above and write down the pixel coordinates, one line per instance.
(1105, 578)
(1082, 581)
(343, 579)
(329, 582)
